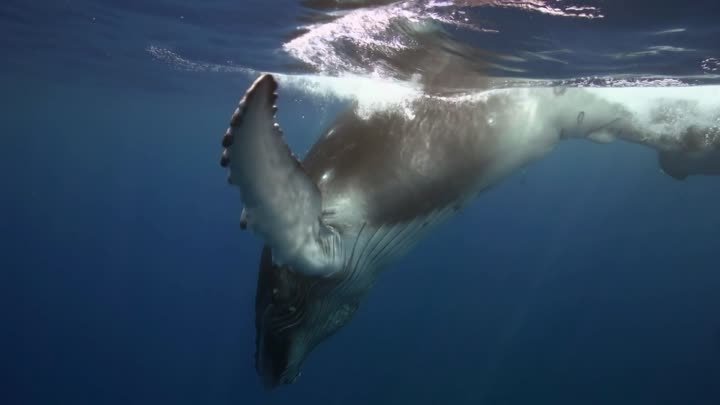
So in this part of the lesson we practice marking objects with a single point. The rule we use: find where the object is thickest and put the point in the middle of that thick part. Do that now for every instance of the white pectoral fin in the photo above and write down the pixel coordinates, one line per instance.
(282, 204)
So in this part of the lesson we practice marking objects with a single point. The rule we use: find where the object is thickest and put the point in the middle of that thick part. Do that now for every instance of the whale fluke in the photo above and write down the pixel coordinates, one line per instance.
(282, 204)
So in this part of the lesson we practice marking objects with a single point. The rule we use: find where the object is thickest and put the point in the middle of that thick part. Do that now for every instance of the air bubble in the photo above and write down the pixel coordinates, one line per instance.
(710, 65)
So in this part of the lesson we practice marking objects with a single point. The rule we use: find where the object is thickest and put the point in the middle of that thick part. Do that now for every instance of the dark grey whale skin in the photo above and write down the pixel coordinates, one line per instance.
(681, 165)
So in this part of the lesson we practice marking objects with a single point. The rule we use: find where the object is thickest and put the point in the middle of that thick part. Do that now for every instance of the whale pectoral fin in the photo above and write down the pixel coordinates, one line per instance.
(282, 204)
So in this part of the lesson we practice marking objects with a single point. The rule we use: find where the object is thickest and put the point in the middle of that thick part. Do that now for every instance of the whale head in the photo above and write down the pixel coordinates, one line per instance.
(294, 312)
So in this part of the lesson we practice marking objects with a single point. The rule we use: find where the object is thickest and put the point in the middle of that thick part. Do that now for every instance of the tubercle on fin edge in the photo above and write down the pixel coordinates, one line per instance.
(237, 116)
(265, 84)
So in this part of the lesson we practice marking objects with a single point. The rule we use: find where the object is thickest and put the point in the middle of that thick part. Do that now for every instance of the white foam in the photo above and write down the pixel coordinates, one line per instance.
(372, 30)
(179, 62)
(372, 93)
(375, 92)
(682, 107)
(367, 29)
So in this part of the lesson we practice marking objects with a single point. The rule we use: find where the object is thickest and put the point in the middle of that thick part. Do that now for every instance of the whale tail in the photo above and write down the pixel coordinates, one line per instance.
(282, 204)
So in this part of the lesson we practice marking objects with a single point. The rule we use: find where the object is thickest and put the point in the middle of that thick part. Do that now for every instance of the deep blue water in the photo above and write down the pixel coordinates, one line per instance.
(590, 278)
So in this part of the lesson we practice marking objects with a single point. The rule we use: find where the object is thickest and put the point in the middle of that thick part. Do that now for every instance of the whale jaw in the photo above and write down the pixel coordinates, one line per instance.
(279, 316)
(294, 312)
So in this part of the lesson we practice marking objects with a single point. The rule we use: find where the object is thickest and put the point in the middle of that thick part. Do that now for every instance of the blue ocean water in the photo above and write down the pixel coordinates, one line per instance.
(589, 278)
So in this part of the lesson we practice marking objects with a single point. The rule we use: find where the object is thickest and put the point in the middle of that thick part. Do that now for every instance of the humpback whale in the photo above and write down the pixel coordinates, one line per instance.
(371, 187)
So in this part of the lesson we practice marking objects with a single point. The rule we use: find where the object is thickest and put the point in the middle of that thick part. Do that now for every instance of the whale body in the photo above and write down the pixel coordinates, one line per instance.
(371, 187)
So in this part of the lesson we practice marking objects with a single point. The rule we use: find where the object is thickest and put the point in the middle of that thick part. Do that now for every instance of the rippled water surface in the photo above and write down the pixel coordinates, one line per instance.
(590, 42)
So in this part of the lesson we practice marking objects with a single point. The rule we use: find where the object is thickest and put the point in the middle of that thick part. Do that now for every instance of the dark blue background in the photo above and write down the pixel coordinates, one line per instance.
(590, 278)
